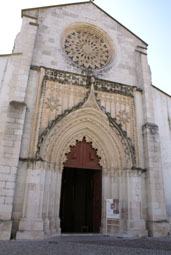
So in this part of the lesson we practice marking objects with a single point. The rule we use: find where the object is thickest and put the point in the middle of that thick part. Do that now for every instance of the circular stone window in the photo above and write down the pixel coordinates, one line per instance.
(87, 46)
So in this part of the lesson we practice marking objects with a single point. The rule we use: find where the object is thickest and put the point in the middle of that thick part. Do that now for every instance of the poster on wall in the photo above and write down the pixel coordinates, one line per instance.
(112, 209)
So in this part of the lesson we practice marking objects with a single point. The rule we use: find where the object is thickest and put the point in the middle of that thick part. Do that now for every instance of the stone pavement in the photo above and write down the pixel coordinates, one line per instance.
(87, 245)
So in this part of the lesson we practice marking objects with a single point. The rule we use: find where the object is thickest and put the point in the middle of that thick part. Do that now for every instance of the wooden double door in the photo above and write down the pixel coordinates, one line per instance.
(80, 206)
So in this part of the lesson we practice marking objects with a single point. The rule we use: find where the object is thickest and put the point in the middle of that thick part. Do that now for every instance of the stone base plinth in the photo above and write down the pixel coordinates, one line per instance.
(30, 229)
(134, 229)
(30, 235)
(134, 233)
(5, 230)
(158, 229)
(137, 228)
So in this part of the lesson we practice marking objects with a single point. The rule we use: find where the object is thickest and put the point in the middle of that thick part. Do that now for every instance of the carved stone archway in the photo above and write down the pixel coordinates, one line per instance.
(92, 125)
(113, 149)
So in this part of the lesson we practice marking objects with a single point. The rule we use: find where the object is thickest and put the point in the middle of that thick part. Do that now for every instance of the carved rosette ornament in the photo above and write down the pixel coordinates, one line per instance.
(87, 46)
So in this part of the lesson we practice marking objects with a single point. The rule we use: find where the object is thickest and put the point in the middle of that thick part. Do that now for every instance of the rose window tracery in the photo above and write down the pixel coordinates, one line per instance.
(87, 48)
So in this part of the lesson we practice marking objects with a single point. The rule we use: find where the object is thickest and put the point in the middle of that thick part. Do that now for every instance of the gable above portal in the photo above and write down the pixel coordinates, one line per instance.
(34, 12)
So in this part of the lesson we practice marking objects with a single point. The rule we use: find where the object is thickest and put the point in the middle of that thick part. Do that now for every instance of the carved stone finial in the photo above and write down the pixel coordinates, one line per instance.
(91, 101)
(93, 81)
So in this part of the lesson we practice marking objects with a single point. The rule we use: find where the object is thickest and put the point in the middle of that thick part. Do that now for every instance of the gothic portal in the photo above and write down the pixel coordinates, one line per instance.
(81, 125)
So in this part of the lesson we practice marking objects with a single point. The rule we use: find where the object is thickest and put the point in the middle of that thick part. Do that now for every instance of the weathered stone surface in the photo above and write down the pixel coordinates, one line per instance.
(54, 95)
(5, 230)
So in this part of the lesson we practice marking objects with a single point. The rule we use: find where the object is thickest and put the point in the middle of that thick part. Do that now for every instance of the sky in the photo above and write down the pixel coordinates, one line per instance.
(148, 19)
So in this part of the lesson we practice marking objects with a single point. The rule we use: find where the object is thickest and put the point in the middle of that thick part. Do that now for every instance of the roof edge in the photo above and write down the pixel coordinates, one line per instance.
(86, 2)
(161, 91)
(52, 6)
(119, 23)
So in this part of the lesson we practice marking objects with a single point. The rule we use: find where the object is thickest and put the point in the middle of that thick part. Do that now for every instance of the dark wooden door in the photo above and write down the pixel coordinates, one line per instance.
(83, 156)
(77, 200)
(80, 209)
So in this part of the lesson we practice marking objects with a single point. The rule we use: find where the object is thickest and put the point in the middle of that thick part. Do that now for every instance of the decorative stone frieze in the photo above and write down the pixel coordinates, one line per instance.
(82, 80)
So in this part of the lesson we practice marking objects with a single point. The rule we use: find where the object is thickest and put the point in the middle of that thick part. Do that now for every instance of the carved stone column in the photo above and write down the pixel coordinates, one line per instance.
(156, 208)
(105, 195)
(31, 224)
(57, 201)
(123, 201)
(46, 200)
(52, 202)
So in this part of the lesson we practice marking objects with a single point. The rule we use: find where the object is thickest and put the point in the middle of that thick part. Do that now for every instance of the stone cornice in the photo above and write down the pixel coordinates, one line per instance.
(11, 54)
(139, 169)
(150, 125)
(141, 52)
(33, 24)
(28, 16)
(17, 103)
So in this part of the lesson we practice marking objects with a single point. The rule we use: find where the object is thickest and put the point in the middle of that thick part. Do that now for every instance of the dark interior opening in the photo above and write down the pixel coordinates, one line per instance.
(80, 206)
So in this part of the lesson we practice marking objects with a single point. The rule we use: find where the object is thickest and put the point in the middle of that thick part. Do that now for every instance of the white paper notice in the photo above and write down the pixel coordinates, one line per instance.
(112, 208)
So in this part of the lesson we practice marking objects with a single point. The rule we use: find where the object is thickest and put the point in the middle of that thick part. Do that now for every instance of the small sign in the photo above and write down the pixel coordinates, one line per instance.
(112, 209)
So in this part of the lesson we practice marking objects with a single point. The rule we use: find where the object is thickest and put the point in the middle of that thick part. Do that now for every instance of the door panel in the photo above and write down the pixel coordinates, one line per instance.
(76, 210)
(80, 208)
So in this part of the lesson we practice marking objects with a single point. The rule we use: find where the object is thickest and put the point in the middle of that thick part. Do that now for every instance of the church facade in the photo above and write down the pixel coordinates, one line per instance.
(81, 124)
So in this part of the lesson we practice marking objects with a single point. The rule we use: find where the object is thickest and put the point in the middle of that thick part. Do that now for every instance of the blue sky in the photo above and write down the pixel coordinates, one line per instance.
(148, 19)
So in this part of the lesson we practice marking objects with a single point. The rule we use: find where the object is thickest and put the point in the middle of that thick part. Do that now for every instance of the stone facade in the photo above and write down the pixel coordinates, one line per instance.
(85, 78)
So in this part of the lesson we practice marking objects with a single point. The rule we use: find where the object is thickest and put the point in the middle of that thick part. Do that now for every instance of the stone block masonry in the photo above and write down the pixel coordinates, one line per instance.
(9, 157)
(76, 74)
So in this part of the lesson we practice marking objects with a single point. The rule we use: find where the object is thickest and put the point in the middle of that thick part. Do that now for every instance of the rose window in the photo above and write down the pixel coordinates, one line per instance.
(87, 48)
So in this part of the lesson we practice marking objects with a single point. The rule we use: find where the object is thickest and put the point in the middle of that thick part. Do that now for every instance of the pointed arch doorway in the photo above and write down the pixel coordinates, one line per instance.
(81, 190)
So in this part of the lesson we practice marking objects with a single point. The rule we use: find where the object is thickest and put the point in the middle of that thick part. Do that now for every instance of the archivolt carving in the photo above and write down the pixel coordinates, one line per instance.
(94, 126)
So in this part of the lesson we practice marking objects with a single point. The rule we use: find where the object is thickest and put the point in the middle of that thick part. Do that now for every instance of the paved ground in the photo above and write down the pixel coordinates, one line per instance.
(87, 245)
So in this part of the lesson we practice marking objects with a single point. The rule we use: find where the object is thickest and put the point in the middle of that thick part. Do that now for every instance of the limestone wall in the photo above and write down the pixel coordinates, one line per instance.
(162, 111)
(13, 110)
(3, 62)
(54, 21)
(33, 93)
